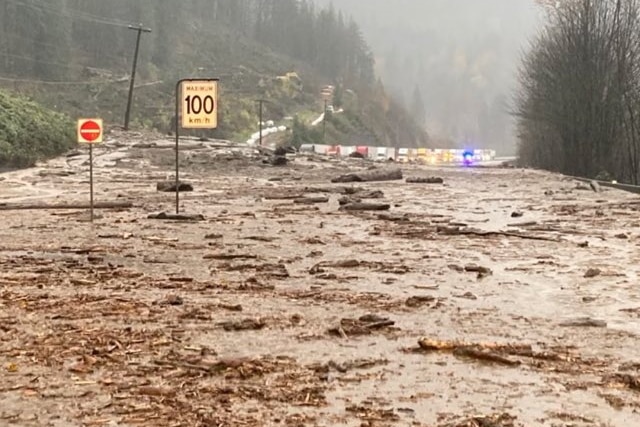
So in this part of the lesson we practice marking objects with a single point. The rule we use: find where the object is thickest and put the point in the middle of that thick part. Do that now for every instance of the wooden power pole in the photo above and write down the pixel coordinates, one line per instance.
(140, 29)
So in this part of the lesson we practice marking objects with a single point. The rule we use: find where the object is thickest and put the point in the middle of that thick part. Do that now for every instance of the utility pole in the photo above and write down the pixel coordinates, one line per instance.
(324, 122)
(261, 102)
(140, 29)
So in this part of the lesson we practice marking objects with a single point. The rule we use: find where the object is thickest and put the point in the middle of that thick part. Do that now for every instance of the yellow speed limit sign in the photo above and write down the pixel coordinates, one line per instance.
(199, 102)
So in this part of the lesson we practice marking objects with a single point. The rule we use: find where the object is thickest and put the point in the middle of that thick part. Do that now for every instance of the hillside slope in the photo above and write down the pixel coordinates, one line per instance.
(76, 56)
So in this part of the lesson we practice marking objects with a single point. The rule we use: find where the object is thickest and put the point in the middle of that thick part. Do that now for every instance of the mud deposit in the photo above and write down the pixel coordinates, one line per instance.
(501, 298)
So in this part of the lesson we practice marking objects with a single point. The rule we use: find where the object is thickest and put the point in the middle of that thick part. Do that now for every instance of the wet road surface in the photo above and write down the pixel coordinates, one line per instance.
(504, 297)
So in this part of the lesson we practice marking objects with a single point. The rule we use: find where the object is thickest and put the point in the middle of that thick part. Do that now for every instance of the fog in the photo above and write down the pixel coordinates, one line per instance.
(461, 56)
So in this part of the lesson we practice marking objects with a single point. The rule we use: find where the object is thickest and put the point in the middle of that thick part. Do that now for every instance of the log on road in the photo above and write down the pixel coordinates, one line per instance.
(63, 206)
(430, 180)
(371, 175)
(310, 200)
(177, 217)
(365, 207)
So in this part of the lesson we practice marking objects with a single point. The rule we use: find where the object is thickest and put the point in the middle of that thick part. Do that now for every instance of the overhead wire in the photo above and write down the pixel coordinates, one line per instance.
(83, 16)
(39, 61)
(57, 46)
(54, 82)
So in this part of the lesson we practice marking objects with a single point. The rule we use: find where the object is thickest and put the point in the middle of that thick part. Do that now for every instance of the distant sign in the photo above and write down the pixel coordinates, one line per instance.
(90, 131)
(199, 104)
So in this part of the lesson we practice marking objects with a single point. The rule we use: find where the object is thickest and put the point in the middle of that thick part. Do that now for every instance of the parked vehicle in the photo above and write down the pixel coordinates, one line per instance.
(333, 150)
(372, 153)
(392, 153)
(363, 150)
(421, 155)
(348, 150)
(403, 155)
(321, 148)
(381, 154)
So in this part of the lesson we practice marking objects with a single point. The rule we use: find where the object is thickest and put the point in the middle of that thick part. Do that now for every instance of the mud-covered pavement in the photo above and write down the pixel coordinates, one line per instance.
(502, 298)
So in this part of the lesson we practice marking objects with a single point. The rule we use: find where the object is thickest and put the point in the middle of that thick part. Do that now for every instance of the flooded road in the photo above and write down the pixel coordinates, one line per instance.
(504, 297)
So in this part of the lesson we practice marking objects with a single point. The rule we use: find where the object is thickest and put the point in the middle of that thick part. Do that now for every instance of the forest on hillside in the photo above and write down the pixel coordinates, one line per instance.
(58, 48)
(48, 37)
(452, 63)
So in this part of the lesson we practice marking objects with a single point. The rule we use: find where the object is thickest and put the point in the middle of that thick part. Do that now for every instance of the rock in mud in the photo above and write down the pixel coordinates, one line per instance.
(419, 300)
(592, 272)
(279, 161)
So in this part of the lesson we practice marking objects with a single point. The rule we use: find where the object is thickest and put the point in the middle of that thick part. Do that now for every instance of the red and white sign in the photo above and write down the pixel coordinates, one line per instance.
(90, 131)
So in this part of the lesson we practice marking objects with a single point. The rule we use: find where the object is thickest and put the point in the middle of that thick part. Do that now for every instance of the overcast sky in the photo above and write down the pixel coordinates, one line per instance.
(462, 55)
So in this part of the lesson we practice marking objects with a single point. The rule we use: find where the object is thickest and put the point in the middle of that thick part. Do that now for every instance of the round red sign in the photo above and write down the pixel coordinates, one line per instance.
(90, 130)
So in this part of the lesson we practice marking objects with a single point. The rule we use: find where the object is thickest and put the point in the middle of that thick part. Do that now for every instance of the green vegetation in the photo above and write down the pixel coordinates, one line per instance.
(29, 133)
(304, 134)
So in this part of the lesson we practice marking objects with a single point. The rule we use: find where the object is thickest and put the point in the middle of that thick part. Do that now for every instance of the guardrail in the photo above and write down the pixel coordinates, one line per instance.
(624, 187)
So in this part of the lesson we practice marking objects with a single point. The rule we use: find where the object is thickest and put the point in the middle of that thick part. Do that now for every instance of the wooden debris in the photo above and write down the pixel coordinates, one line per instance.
(243, 325)
(430, 180)
(586, 322)
(362, 326)
(371, 175)
(630, 381)
(311, 200)
(482, 271)
(283, 196)
(458, 231)
(177, 217)
(365, 207)
(499, 420)
(488, 352)
(63, 206)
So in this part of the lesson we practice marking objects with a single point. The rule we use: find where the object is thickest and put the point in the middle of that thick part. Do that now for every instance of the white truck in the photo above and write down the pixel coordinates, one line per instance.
(403, 155)
(391, 153)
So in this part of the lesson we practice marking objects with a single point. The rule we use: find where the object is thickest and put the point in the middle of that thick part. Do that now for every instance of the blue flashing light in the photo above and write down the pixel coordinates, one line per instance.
(467, 158)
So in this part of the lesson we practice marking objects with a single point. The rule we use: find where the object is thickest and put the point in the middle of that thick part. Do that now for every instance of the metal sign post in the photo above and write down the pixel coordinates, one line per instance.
(91, 179)
(90, 132)
(199, 101)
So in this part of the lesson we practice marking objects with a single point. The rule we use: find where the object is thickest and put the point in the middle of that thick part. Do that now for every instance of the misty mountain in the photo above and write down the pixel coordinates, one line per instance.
(460, 56)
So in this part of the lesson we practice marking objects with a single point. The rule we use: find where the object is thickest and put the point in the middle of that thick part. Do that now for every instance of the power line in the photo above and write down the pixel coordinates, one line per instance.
(79, 83)
(59, 64)
(83, 16)
(57, 46)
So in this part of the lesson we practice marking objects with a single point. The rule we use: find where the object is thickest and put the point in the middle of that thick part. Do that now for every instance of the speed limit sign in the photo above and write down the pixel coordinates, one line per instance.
(199, 103)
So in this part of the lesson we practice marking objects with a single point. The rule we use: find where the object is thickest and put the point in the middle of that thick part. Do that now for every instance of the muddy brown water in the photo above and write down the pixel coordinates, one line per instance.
(86, 325)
